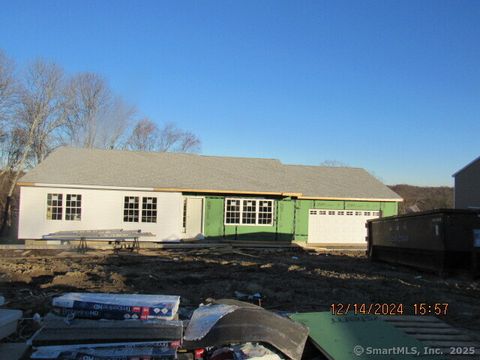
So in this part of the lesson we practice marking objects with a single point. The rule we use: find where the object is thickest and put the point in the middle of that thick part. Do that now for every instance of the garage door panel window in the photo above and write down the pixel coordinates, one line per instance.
(248, 212)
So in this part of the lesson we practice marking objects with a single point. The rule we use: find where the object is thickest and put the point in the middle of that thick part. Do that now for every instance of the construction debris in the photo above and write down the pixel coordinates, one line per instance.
(141, 350)
(8, 321)
(232, 322)
(117, 306)
(80, 331)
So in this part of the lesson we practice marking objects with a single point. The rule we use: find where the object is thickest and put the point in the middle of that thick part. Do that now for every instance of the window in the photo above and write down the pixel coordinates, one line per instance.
(358, 213)
(54, 206)
(149, 209)
(248, 212)
(232, 211)
(73, 207)
(130, 209)
(331, 213)
(349, 213)
(265, 212)
(340, 213)
(366, 213)
(322, 212)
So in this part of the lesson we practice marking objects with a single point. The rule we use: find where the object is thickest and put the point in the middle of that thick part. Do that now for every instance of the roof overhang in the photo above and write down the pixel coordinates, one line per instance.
(203, 191)
(466, 166)
(349, 198)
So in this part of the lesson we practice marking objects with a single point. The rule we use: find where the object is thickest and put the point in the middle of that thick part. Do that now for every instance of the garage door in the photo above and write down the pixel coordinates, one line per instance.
(338, 226)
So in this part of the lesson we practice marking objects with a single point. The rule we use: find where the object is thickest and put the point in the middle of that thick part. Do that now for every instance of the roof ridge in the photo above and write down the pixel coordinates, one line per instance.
(326, 166)
(163, 152)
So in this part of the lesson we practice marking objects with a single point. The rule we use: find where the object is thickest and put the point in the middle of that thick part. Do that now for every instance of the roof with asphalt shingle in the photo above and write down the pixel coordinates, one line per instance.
(192, 172)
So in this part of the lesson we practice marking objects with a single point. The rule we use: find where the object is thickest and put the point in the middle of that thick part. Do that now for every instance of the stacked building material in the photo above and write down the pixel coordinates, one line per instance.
(117, 306)
(110, 326)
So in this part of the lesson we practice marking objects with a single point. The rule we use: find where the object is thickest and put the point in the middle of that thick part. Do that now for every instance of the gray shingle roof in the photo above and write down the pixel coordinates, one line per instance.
(135, 169)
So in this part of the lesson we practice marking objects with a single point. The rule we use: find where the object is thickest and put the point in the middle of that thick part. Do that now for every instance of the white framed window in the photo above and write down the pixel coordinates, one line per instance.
(130, 209)
(232, 211)
(54, 206)
(265, 212)
(248, 211)
(73, 207)
(149, 209)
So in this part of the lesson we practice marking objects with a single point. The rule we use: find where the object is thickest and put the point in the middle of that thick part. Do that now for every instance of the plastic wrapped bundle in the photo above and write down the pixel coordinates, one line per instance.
(117, 306)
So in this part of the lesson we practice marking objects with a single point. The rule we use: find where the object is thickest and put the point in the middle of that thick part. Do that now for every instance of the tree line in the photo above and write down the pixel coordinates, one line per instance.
(42, 108)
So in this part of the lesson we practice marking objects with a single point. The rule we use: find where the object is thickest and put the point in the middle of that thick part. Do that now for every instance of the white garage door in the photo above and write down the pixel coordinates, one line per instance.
(338, 226)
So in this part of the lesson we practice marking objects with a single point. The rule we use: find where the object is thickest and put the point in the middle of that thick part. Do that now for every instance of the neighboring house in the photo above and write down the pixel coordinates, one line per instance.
(467, 186)
(179, 196)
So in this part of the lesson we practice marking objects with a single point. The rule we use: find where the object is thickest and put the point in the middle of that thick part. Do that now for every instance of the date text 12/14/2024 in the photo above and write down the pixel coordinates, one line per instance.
(420, 309)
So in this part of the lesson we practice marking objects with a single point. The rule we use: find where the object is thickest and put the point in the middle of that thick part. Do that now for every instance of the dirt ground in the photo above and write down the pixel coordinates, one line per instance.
(289, 280)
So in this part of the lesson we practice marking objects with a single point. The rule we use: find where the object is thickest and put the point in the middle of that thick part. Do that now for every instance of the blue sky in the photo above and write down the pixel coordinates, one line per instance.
(391, 86)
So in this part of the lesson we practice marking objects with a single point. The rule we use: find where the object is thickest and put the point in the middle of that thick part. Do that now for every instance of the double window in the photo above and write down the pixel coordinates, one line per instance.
(248, 211)
(131, 209)
(73, 207)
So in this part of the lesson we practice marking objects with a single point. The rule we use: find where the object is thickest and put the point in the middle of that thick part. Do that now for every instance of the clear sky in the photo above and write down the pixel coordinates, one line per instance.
(391, 86)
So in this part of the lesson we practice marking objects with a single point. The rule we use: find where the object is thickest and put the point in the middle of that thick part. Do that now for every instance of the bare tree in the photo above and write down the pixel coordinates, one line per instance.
(171, 138)
(147, 136)
(8, 90)
(95, 117)
(113, 126)
(39, 115)
(189, 142)
(144, 136)
(41, 109)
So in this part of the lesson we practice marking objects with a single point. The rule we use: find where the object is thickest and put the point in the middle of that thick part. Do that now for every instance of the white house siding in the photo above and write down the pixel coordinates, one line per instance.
(101, 209)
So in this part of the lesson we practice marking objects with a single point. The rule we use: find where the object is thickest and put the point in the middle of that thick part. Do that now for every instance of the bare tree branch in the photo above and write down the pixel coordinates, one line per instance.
(95, 117)
(146, 136)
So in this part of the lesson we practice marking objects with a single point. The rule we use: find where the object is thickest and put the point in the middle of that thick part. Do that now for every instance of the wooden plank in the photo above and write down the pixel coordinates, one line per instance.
(82, 331)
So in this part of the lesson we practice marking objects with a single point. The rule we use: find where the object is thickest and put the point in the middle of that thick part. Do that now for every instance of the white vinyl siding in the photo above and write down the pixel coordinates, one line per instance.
(248, 212)
(100, 209)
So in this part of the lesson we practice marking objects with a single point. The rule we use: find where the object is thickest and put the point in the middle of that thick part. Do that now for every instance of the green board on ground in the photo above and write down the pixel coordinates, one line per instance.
(352, 337)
